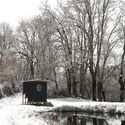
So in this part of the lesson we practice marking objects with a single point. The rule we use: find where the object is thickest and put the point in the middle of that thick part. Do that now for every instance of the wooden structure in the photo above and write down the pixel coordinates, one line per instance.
(34, 92)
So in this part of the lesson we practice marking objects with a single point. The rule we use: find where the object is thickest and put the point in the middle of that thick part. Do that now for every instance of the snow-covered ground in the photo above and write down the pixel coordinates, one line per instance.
(70, 104)
(12, 112)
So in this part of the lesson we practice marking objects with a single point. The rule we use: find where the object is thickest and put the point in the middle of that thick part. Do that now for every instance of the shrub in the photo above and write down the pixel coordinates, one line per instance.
(7, 90)
(112, 111)
(89, 110)
(1, 94)
(64, 93)
(48, 104)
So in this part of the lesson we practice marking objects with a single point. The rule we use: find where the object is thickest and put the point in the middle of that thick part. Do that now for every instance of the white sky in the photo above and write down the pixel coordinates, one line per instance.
(12, 11)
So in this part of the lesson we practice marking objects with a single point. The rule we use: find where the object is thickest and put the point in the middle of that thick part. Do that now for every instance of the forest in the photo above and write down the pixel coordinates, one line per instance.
(79, 47)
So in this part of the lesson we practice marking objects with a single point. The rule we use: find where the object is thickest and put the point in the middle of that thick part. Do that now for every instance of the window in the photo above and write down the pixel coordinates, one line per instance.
(39, 88)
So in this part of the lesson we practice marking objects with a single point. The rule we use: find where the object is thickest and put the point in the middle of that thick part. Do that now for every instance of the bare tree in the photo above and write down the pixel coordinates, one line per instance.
(100, 39)
(121, 76)
(26, 37)
(7, 52)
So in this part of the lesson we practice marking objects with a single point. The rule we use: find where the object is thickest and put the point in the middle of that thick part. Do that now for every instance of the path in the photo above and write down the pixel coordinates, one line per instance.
(13, 113)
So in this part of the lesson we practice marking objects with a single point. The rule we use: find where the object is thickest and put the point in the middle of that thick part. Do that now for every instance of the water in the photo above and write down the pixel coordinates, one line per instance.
(84, 119)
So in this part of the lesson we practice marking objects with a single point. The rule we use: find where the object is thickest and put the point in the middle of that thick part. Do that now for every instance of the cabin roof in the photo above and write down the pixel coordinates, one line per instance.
(35, 81)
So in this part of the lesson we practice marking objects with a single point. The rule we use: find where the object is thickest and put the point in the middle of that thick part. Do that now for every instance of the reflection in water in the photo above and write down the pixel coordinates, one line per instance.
(94, 121)
(82, 119)
(123, 123)
(76, 120)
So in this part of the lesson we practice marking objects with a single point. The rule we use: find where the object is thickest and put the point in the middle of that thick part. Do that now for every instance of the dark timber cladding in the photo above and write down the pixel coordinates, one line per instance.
(34, 91)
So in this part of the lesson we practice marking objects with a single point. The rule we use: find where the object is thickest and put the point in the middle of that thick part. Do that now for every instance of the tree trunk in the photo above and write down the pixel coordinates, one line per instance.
(74, 87)
(31, 66)
(55, 78)
(121, 82)
(74, 82)
(68, 77)
(82, 81)
(31, 70)
(94, 89)
(101, 93)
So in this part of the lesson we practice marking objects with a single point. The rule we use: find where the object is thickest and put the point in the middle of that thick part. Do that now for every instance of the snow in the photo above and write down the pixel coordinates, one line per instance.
(114, 122)
(83, 105)
(12, 112)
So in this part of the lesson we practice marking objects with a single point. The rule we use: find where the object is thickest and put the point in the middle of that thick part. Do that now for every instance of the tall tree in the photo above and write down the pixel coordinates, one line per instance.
(100, 39)
(7, 40)
(121, 76)
(26, 37)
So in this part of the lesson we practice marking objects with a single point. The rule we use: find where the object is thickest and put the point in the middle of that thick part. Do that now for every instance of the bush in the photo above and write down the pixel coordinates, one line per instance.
(112, 111)
(48, 104)
(89, 110)
(63, 93)
(17, 88)
(1, 94)
(7, 90)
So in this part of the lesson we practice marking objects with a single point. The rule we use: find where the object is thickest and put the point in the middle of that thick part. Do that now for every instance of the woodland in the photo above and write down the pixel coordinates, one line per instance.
(79, 47)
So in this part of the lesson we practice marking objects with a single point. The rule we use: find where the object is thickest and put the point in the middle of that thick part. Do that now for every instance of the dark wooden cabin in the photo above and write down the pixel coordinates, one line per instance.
(34, 92)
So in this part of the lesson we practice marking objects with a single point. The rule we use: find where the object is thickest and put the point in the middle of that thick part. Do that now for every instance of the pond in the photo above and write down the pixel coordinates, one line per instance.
(84, 119)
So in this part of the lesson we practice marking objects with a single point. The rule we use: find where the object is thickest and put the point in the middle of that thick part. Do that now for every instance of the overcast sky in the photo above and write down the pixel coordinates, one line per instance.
(12, 11)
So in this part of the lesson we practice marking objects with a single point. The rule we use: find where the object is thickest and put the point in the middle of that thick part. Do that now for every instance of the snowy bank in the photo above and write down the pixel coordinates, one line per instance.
(80, 105)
